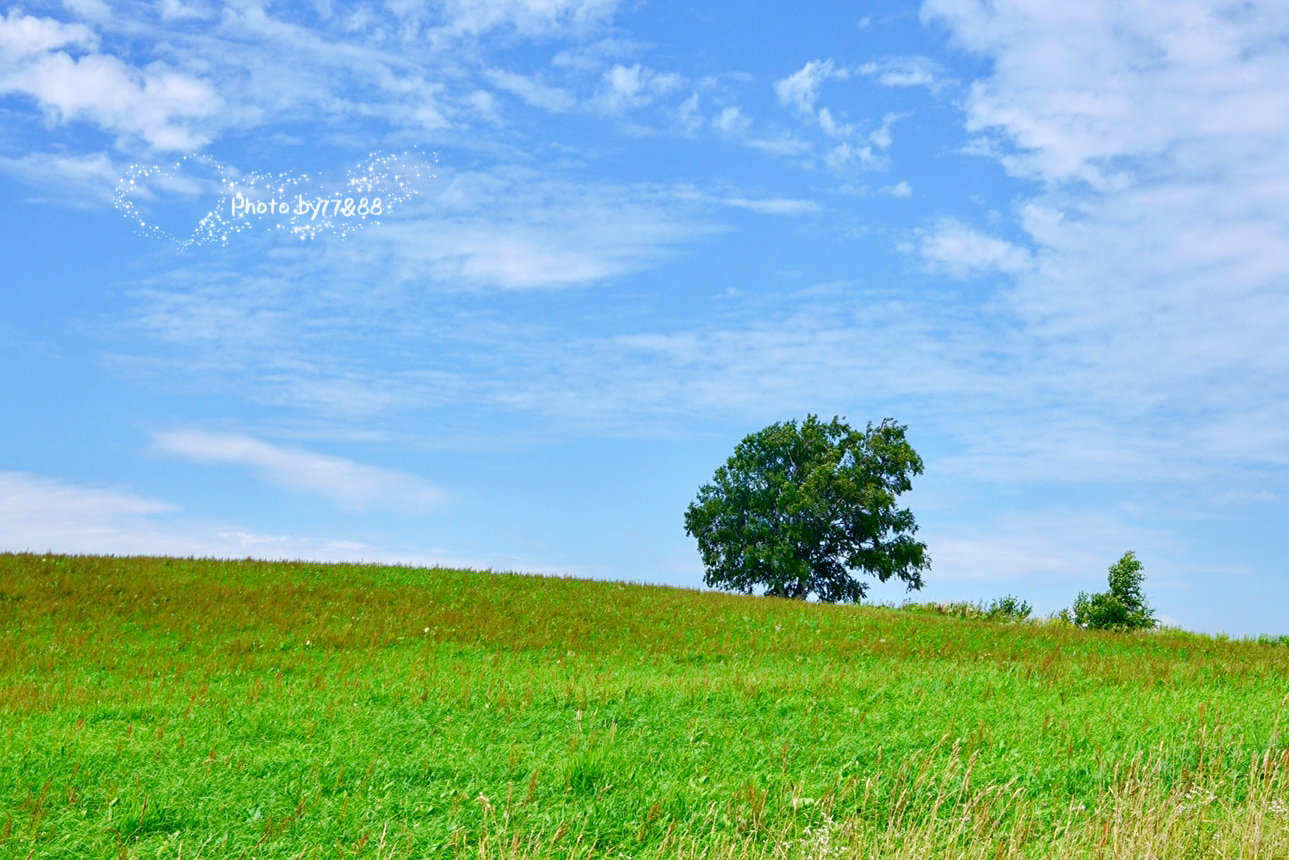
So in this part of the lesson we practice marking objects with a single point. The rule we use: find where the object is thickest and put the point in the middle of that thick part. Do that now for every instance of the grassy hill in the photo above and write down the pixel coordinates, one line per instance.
(155, 707)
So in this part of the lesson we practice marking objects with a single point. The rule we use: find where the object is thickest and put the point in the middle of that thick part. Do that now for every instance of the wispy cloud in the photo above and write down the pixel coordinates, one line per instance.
(77, 179)
(532, 90)
(528, 17)
(847, 147)
(350, 485)
(175, 81)
(39, 514)
(1065, 547)
(634, 86)
(774, 206)
(780, 144)
(905, 72)
(520, 230)
(42, 514)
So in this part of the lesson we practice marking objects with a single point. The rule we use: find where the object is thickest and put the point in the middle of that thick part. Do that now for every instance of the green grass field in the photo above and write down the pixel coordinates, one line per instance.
(194, 708)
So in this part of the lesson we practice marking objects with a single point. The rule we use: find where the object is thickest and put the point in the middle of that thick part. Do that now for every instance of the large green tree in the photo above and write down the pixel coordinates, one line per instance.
(798, 508)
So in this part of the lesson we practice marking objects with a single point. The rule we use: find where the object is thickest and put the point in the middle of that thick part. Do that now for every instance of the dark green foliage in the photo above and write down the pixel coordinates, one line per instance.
(797, 508)
(1123, 607)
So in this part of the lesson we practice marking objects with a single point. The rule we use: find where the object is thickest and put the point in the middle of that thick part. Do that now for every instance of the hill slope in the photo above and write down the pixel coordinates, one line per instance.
(150, 707)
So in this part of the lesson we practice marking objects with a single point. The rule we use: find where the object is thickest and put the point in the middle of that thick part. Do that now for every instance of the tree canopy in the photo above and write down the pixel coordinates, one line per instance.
(798, 508)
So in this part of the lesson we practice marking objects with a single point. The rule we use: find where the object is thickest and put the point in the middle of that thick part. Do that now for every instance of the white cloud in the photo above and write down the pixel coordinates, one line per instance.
(843, 155)
(243, 68)
(1154, 298)
(1078, 86)
(156, 104)
(624, 87)
(730, 121)
(961, 251)
(901, 190)
(831, 127)
(519, 255)
(801, 88)
(274, 337)
(23, 36)
(687, 114)
(881, 137)
(353, 486)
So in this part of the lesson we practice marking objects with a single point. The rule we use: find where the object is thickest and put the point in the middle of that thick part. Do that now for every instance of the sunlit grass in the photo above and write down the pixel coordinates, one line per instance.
(153, 706)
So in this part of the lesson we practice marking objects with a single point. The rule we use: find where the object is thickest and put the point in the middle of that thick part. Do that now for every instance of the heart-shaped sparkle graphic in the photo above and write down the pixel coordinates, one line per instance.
(303, 206)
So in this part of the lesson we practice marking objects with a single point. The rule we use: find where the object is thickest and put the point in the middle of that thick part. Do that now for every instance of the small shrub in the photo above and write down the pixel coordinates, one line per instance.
(953, 610)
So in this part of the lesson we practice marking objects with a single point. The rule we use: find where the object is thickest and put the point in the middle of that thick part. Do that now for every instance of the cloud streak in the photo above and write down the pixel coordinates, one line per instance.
(350, 485)
(43, 514)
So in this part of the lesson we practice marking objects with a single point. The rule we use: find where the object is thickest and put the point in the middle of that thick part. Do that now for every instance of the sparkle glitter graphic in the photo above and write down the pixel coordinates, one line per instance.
(303, 205)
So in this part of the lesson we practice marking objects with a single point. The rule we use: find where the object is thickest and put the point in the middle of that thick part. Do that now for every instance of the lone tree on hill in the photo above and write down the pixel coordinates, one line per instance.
(796, 509)
(1123, 607)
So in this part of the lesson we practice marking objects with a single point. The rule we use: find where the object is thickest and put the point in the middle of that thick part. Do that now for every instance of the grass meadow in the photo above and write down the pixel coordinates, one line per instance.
(169, 708)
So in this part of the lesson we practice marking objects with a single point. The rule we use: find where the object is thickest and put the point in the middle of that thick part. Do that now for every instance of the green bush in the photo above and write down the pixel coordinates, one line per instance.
(1123, 607)
(1008, 609)
(1004, 609)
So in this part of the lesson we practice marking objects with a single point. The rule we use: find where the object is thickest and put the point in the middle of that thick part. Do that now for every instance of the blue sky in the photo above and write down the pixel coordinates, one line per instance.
(1051, 238)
